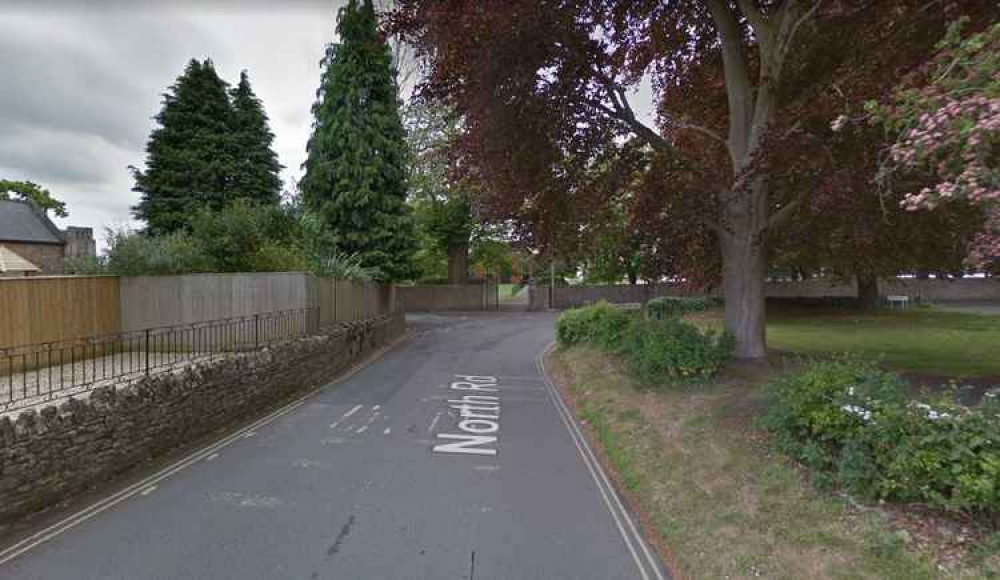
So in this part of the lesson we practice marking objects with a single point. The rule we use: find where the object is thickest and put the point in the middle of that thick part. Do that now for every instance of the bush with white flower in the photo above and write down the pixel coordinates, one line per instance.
(853, 421)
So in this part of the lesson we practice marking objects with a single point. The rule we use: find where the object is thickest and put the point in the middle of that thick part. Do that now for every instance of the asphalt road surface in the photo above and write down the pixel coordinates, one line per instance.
(448, 457)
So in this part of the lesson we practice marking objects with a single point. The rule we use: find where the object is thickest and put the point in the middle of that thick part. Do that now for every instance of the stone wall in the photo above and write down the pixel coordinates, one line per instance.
(80, 242)
(46, 456)
(441, 297)
(925, 290)
(48, 257)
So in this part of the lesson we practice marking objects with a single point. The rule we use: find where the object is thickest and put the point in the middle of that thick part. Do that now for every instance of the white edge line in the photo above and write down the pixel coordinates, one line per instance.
(596, 469)
(71, 521)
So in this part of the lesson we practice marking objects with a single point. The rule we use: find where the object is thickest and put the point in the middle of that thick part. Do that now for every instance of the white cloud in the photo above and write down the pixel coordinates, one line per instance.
(82, 83)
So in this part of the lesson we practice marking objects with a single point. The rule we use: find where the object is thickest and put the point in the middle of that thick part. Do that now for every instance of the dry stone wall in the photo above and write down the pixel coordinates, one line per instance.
(47, 456)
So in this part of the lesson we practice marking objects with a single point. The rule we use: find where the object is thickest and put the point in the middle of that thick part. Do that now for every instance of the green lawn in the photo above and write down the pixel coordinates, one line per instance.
(507, 290)
(918, 340)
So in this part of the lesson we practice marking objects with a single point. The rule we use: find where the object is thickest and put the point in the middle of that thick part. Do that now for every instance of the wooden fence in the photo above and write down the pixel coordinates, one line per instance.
(46, 309)
(52, 309)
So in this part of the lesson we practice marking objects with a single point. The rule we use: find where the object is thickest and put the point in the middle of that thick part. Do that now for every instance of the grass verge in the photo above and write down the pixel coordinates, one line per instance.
(721, 502)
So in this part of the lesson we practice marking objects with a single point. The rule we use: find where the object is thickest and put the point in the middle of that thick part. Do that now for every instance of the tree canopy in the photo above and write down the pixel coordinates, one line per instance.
(355, 172)
(543, 88)
(30, 191)
(206, 151)
(257, 173)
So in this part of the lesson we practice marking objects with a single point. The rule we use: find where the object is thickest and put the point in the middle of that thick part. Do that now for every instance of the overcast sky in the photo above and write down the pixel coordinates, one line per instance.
(81, 81)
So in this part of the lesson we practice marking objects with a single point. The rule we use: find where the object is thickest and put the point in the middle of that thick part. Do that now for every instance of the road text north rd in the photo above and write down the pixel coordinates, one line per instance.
(477, 400)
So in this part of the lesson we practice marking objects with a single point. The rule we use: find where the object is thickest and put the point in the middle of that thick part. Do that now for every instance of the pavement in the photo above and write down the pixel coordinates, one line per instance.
(451, 456)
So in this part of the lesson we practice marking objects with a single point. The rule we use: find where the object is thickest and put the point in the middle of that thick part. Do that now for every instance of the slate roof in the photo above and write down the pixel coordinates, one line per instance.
(20, 221)
(11, 262)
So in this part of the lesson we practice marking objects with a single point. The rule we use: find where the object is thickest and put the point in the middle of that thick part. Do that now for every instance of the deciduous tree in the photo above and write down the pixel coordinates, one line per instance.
(542, 84)
(34, 193)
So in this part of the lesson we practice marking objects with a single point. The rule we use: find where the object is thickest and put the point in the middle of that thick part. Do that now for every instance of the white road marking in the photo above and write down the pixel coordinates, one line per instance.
(351, 412)
(600, 478)
(211, 457)
(486, 467)
(148, 490)
(71, 521)
(434, 422)
(387, 431)
(249, 435)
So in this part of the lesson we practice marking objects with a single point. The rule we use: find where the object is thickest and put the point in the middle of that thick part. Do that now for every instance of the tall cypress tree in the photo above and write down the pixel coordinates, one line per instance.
(355, 172)
(257, 168)
(190, 161)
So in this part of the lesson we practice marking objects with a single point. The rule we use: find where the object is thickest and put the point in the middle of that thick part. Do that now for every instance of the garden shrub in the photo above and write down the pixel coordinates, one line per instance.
(853, 420)
(601, 324)
(671, 348)
(677, 306)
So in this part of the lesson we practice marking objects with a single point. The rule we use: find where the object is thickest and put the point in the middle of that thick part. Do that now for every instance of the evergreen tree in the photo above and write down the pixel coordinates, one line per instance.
(190, 162)
(257, 168)
(355, 172)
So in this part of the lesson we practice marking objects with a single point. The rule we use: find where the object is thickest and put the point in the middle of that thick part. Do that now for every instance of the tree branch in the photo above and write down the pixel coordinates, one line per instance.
(754, 16)
(737, 80)
(786, 211)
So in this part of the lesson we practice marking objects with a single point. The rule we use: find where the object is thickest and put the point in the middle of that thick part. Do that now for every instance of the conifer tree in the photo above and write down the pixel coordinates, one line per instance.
(190, 162)
(257, 170)
(355, 172)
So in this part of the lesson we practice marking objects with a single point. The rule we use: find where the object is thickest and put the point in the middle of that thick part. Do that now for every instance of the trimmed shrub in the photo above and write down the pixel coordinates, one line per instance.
(853, 420)
(677, 306)
(601, 324)
(670, 348)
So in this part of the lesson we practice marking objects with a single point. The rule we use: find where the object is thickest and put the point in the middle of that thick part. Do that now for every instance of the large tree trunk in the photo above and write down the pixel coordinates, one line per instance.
(744, 267)
(458, 263)
(867, 292)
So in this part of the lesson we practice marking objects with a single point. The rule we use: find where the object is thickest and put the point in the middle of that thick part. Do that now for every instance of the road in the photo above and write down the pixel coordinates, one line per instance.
(347, 483)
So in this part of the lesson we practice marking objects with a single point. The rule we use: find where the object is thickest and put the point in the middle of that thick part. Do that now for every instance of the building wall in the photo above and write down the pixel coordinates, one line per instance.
(79, 242)
(48, 257)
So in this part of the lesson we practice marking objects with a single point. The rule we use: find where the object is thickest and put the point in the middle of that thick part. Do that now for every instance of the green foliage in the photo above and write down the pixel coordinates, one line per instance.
(670, 348)
(207, 151)
(355, 172)
(133, 254)
(601, 324)
(34, 193)
(247, 238)
(241, 238)
(492, 255)
(677, 306)
(343, 266)
(654, 349)
(852, 419)
(440, 203)
(84, 266)
(189, 160)
(256, 175)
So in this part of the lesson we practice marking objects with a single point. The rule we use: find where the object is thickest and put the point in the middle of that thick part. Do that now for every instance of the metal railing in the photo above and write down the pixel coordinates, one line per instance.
(32, 374)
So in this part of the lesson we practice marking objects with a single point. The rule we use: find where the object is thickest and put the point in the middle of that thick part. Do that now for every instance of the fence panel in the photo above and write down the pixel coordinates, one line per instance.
(35, 310)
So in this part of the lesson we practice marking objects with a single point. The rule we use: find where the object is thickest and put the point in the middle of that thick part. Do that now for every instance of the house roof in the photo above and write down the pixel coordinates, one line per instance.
(22, 221)
(11, 262)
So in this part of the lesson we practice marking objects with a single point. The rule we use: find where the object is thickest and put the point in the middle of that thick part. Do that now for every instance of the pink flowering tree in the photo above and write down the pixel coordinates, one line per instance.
(946, 120)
